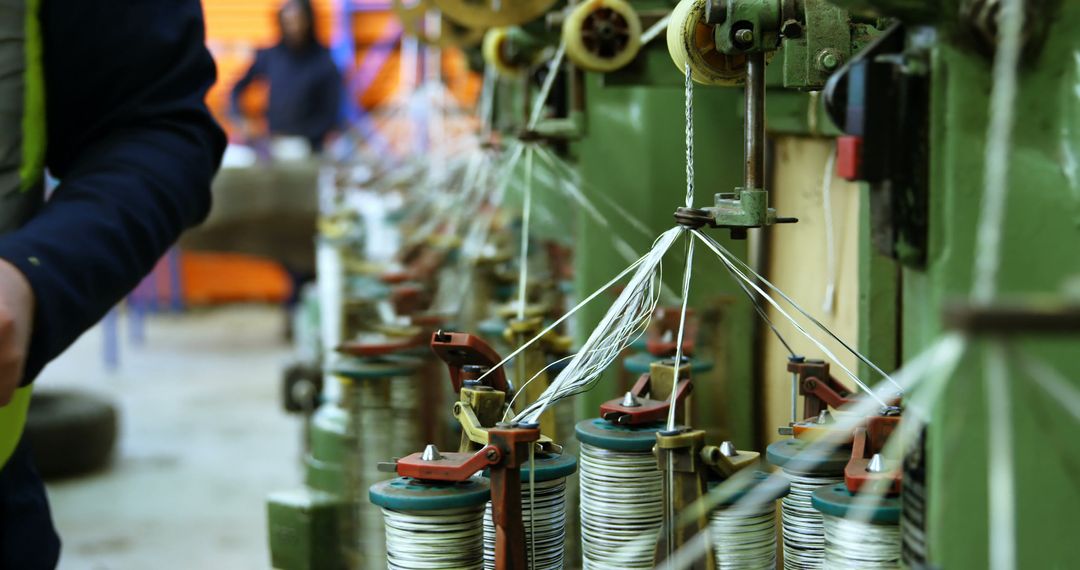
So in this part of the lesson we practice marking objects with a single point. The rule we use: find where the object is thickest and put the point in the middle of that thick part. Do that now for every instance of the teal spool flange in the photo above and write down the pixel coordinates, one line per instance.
(408, 494)
(390, 366)
(606, 435)
(791, 456)
(760, 477)
(641, 362)
(837, 501)
(367, 288)
(492, 328)
(549, 466)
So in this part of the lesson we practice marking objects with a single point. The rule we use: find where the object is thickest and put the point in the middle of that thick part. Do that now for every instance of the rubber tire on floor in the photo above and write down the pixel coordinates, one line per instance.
(70, 432)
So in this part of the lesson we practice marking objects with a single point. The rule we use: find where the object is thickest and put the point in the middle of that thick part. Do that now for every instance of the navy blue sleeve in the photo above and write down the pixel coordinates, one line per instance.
(135, 149)
(257, 70)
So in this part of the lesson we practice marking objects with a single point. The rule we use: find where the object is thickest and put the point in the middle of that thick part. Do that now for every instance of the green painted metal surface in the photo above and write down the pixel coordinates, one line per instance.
(305, 530)
(633, 154)
(1039, 255)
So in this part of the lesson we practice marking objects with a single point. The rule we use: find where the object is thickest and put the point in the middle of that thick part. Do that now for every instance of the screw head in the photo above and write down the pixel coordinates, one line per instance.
(630, 400)
(728, 449)
(828, 60)
(744, 36)
(431, 453)
(491, 455)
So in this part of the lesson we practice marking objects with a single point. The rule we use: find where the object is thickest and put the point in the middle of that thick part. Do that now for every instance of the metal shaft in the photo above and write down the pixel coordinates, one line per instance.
(754, 152)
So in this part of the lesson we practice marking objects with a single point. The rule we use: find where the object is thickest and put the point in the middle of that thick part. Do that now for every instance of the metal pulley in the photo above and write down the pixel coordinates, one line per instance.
(691, 41)
(510, 51)
(602, 35)
(493, 13)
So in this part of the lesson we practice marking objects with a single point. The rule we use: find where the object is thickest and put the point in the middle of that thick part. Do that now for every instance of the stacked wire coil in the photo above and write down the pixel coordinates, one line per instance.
(804, 532)
(855, 545)
(861, 530)
(743, 533)
(545, 526)
(385, 407)
(807, 469)
(621, 496)
(744, 539)
(452, 538)
(432, 525)
(543, 510)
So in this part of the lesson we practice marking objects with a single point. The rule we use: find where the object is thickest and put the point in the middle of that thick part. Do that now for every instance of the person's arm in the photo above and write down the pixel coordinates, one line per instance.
(256, 71)
(135, 149)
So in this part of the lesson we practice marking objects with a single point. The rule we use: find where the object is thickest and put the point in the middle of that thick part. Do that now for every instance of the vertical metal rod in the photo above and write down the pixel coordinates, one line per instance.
(794, 397)
(754, 151)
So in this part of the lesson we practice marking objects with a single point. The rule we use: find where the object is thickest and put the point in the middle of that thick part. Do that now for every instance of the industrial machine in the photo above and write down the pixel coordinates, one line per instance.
(852, 219)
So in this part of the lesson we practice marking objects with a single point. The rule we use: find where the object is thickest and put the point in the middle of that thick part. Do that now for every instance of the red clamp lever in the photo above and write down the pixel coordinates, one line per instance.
(430, 465)
(459, 350)
(635, 408)
(868, 468)
(663, 333)
(819, 389)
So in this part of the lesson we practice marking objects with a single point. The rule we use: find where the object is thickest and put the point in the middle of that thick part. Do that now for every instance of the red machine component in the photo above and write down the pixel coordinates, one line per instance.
(459, 350)
(504, 456)
(448, 466)
(662, 336)
(863, 470)
(849, 157)
(818, 388)
(639, 409)
(377, 344)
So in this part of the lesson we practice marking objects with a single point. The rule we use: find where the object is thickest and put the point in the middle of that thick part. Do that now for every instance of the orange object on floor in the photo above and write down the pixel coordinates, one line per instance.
(210, 278)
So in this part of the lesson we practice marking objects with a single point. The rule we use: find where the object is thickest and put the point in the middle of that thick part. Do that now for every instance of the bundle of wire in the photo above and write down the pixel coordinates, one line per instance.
(624, 321)
(744, 538)
(544, 514)
(424, 540)
(621, 503)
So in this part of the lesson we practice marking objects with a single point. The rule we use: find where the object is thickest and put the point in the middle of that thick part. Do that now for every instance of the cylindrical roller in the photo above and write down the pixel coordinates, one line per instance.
(743, 534)
(690, 40)
(861, 531)
(432, 525)
(621, 495)
(602, 35)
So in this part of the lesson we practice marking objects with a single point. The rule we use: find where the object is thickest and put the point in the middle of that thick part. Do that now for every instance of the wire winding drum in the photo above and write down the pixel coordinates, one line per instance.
(861, 531)
(622, 507)
(433, 525)
(744, 535)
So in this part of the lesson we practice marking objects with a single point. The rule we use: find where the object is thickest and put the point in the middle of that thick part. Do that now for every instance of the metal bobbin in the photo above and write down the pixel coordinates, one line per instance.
(621, 495)
(432, 525)
(744, 536)
(384, 403)
(807, 471)
(861, 531)
(545, 521)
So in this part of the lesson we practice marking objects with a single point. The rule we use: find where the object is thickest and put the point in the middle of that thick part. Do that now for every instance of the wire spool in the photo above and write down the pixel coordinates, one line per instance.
(803, 526)
(621, 494)
(548, 532)
(602, 35)
(690, 40)
(432, 525)
(386, 412)
(492, 13)
(744, 536)
(860, 532)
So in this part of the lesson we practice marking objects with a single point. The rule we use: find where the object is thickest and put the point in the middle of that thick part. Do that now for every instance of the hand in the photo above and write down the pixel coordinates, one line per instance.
(16, 322)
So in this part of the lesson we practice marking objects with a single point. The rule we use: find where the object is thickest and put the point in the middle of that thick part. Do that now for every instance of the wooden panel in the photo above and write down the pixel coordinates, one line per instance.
(798, 266)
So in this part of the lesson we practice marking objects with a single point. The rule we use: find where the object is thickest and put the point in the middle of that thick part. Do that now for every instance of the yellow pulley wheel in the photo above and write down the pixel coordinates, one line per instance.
(493, 13)
(498, 52)
(690, 40)
(602, 35)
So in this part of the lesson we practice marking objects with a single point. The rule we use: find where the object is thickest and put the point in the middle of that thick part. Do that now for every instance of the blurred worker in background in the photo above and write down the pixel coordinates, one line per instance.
(108, 94)
(305, 84)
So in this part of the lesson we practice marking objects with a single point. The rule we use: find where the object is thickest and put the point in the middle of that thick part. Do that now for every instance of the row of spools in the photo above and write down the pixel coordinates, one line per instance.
(622, 512)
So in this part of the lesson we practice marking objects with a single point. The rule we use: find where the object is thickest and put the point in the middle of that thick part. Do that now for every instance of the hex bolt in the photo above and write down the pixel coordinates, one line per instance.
(828, 60)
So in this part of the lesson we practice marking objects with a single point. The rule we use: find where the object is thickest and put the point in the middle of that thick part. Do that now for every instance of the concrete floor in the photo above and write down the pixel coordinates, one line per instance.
(202, 442)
